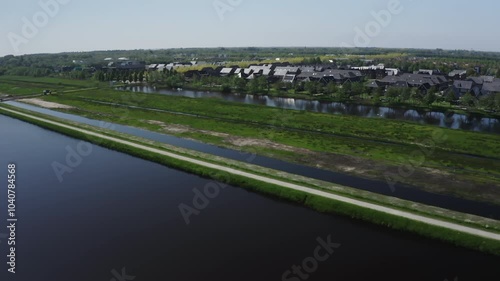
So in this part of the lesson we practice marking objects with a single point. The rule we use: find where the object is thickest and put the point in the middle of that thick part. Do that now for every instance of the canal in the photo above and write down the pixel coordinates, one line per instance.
(116, 214)
(451, 120)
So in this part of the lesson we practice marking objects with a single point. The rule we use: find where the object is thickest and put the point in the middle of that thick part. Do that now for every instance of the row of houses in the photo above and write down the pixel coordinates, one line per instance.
(284, 73)
(477, 86)
(381, 76)
(456, 80)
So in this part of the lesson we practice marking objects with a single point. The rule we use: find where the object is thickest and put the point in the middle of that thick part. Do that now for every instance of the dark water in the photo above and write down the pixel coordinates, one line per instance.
(400, 191)
(115, 211)
(452, 121)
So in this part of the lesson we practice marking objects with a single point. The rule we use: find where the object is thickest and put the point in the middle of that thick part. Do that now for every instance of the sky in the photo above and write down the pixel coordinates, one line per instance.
(52, 26)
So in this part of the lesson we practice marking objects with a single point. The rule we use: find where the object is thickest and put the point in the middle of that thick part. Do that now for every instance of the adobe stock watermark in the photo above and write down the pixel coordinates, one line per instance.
(123, 276)
(201, 200)
(415, 160)
(309, 265)
(40, 19)
(222, 7)
(381, 19)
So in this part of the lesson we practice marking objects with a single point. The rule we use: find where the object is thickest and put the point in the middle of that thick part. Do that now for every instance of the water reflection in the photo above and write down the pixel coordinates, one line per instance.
(450, 120)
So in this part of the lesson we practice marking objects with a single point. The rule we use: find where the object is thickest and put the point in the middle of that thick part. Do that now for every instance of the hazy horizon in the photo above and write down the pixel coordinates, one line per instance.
(56, 26)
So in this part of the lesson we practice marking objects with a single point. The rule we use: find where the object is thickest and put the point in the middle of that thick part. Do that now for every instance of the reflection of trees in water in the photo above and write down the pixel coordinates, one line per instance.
(465, 122)
(389, 113)
(336, 108)
(353, 109)
(433, 118)
(489, 125)
(448, 119)
(412, 115)
(364, 110)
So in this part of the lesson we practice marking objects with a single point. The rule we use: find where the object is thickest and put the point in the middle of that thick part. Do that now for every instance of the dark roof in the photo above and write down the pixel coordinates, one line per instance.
(463, 85)
(492, 87)
(416, 79)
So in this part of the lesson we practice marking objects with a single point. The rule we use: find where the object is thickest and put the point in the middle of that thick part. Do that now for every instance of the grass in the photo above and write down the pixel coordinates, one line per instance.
(315, 202)
(22, 86)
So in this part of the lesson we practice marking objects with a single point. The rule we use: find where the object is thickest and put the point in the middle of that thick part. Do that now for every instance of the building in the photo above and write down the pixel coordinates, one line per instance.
(338, 76)
(461, 88)
(458, 75)
(424, 82)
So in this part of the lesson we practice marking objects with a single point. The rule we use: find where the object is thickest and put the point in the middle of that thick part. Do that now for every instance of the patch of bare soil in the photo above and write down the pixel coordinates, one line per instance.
(46, 104)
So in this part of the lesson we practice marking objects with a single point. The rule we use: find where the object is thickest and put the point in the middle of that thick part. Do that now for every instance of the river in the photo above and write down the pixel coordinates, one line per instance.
(452, 121)
(116, 214)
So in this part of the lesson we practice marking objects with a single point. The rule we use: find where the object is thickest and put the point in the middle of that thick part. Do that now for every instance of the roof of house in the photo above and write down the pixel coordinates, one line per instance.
(337, 74)
(493, 86)
(457, 72)
(463, 85)
(290, 69)
(227, 70)
(416, 79)
(289, 78)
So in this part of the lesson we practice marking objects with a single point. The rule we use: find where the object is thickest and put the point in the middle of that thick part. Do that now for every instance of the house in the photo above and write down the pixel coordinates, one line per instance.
(127, 65)
(227, 71)
(458, 75)
(484, 85)
(392, 71)
(461, 88)
(339, 76)
(289, 78)
(491, 86)
(424, 82)
(428, 71)
(373, 71)
(282, 71)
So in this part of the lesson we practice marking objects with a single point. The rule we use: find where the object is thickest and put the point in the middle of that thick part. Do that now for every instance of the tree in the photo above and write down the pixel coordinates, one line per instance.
(358, 88)
(405, 95)
(416, 95)
(450, 96)
(331, 88)
(393, 94)
(430, 98)
(311, 87)
(347, 86)
(498, 73)
(467, 100)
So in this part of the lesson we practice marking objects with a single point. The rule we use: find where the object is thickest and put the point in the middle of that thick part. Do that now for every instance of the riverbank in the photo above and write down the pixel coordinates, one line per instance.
(374, 148)
(321, 197)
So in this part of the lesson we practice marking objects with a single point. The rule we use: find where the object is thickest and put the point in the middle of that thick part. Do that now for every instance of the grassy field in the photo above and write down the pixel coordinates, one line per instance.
(466, 163)
(22, 86)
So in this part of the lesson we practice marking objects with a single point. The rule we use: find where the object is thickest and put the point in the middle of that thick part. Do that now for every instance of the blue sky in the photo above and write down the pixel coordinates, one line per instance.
(152, 24)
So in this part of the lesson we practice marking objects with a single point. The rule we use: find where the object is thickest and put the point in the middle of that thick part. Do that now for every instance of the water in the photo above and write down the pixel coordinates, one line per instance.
(400, 191)
(452, 121)
(115, 211)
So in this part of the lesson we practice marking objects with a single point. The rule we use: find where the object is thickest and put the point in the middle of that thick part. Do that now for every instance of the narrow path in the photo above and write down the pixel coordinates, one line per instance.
(359, 203)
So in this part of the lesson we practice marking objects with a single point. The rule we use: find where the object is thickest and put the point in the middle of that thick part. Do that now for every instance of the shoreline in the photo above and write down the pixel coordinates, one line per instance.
(304, 195)
(426, 109)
